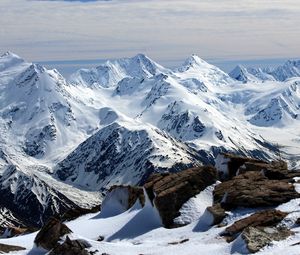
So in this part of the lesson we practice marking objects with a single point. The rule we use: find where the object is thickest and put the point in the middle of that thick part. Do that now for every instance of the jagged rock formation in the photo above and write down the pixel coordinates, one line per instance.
(169, 192)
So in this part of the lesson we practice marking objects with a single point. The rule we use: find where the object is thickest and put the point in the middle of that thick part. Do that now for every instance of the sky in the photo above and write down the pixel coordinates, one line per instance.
(168, 31)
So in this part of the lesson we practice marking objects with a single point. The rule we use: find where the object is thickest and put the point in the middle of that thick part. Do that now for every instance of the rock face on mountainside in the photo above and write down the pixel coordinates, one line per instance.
(169, 192)
(39, 200)
(119, 155)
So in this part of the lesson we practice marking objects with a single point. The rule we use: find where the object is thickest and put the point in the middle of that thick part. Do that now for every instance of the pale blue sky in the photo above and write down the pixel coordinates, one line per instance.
(166, 30)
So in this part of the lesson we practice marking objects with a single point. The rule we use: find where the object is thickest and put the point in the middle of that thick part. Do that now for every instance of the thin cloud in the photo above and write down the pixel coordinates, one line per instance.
(163, 29)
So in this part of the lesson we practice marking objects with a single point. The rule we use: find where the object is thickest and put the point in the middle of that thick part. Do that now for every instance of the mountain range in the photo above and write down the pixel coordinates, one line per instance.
(65, 140)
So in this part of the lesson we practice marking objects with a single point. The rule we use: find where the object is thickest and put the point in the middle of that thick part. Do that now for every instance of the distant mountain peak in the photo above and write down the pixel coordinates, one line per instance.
(9, 59)
(194, 61)
(240, 73)
(9, 54)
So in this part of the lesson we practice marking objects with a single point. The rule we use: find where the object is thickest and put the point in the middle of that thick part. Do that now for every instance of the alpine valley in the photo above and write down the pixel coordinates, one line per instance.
(64, 143)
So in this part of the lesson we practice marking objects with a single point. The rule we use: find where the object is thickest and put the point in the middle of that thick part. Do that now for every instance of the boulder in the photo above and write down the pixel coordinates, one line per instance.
(5, 248)
(72, 247)
(217, 212)
(259, 237)
(253, 189)
(264, 218)
(169, 191)
(51, 233)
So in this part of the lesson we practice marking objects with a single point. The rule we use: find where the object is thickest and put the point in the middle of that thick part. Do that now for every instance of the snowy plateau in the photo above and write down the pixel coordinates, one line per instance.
(65, 142)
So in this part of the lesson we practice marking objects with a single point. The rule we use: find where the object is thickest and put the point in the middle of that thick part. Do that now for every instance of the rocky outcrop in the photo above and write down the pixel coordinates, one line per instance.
(51, 233)
(228, 165)
(72, 247)
(253, 189)
(217, 212)
(265, 218)
(259, 237)
(74, 213)
(169, 191)
(5, 248)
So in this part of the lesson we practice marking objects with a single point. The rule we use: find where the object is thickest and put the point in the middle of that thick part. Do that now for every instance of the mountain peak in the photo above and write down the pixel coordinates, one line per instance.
(10, 54)
(194, 60)
(9, 59)
(239, 73)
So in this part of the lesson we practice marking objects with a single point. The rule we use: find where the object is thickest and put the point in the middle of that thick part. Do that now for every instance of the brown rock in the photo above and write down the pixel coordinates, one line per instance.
(51, 233)
(74, 213)
(265, 218)
(217, 212)
(234, 163)
(259, 237)
(72, 247)
(253, 189)
(5, 248)
(170, 191)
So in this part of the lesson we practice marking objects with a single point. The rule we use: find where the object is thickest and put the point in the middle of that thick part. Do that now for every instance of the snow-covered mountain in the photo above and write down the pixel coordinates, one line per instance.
(119, 122)
(290, 69)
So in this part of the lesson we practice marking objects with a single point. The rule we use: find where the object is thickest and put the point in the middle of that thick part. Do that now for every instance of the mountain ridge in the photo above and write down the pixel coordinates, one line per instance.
(128, 118)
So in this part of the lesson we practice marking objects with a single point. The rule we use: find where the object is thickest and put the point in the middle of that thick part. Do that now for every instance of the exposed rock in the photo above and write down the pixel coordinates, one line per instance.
(74, 213)
(72, 247)
(264, 218)
(51, 233)
(169, 191)
(228, 165)
(259, 237)
(217, 212)
(5, 248)
(253, 189)
(15, 231)
(179, 242)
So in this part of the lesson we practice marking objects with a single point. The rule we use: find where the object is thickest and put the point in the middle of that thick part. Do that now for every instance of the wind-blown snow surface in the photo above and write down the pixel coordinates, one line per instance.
(121, 121)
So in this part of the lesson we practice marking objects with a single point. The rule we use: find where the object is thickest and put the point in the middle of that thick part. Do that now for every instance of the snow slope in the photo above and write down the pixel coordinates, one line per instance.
(129, 233)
